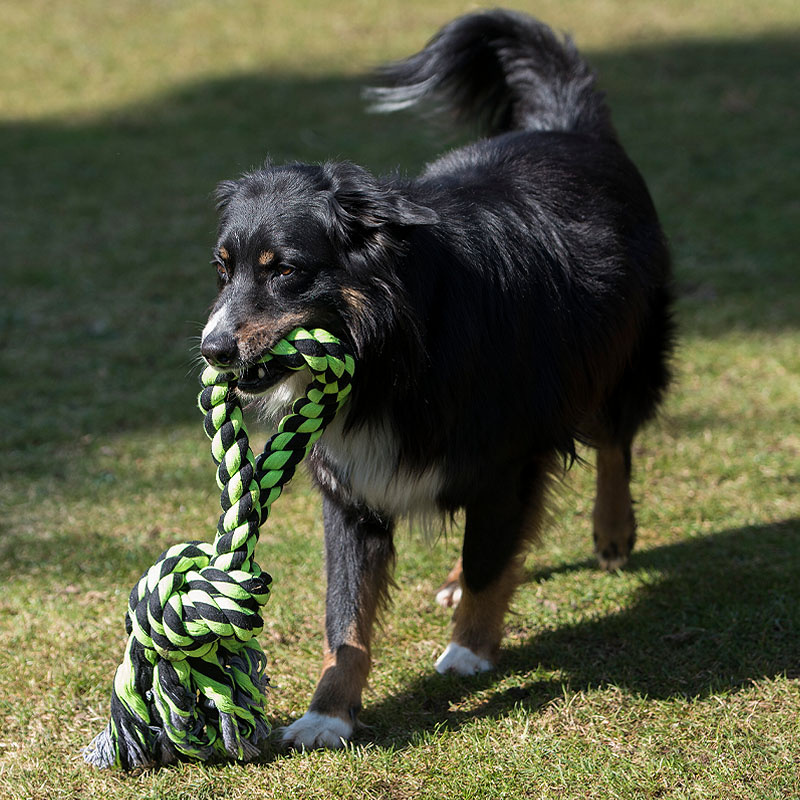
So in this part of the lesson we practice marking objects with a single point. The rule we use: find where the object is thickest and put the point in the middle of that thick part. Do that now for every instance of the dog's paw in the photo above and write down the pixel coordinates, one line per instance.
(461, 660)
(609, 560)
(449, 596)
(614, 538)
(315, 730)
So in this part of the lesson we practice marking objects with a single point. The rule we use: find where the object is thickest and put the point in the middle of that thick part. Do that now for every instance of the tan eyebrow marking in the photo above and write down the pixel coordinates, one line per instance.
(224, 254)
(266, 257)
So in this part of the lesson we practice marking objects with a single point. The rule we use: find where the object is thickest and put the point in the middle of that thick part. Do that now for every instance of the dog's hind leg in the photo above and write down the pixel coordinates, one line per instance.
(613, 520)
(632, 402)
(359, 554)
(501, 521)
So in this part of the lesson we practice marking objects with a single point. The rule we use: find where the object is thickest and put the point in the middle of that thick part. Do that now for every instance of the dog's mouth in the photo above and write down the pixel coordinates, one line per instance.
(260, 377)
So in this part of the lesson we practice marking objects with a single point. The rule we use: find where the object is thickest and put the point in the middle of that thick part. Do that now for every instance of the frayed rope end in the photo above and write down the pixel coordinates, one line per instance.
(197, 708)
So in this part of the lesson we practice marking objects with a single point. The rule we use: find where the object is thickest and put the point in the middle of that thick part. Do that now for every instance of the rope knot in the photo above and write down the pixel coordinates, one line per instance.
(185, 603)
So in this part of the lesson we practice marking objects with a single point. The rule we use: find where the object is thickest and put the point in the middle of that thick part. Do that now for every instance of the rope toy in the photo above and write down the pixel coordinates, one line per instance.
(193, 682)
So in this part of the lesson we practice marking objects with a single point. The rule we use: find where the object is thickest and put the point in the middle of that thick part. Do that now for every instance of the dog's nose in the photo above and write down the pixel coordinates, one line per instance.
(219, 349)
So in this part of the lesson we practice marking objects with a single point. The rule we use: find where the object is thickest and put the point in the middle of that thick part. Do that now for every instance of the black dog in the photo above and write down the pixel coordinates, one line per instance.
(510, 302)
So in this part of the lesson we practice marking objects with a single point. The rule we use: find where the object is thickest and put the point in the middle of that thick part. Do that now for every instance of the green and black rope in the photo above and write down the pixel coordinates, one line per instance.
(193, 683)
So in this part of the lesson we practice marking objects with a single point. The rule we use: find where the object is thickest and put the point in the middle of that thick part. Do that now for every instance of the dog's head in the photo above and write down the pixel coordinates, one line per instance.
(311, 246)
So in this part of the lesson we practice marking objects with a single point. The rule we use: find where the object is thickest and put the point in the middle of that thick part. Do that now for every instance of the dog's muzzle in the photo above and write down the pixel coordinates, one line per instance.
(221, 350)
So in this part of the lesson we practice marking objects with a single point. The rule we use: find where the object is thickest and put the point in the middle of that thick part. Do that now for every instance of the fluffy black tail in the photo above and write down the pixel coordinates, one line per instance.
(503, 69)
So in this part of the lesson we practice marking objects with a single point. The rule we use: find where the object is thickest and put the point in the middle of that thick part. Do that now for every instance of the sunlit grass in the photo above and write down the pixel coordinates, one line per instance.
(677, 677)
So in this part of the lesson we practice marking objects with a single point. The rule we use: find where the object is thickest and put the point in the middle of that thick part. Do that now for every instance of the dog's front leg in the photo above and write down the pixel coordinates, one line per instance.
(359, 554)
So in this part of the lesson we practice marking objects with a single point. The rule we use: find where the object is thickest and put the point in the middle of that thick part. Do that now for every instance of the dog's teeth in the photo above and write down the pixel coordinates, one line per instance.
(261, 372)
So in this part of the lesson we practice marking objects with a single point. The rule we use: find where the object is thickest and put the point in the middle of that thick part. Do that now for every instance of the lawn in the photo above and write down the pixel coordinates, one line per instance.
(677, 677)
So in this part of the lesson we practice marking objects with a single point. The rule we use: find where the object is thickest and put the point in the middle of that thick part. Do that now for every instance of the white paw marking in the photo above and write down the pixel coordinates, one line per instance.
(449, 596)
(316, 730)
(461, 660)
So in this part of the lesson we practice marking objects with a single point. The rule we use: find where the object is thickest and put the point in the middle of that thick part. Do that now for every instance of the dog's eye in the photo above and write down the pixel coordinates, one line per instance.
(286, 270)
(222, 269)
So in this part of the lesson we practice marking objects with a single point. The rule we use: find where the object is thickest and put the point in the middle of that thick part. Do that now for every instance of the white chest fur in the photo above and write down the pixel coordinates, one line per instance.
(366, 460)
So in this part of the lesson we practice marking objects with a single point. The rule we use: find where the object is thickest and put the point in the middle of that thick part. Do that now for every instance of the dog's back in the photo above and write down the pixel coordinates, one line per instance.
(547, 237)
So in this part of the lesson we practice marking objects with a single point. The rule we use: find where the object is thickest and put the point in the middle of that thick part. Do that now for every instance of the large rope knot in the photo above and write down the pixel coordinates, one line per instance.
(184, 603)
(192, 682)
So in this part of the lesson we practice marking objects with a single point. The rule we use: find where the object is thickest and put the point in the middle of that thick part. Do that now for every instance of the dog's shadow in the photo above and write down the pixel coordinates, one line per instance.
(725, 613)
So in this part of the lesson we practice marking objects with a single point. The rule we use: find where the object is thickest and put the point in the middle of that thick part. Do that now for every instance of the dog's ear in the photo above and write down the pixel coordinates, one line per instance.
(224, 193)
(360, 202)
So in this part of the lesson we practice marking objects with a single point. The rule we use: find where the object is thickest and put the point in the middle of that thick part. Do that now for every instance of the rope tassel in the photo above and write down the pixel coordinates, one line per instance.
(193, 682)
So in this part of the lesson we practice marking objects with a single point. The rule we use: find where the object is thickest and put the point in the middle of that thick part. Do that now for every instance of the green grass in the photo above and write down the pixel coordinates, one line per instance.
(678, 677)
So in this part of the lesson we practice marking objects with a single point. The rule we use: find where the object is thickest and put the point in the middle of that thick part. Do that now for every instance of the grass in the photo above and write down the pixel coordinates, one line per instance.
(677, 677)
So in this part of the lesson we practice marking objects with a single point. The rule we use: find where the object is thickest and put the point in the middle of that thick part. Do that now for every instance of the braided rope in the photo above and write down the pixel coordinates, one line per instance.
(192, 682)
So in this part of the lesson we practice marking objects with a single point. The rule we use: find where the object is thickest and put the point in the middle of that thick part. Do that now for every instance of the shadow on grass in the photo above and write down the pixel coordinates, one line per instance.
(86, 558)
(108, 222)
(725, 613)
